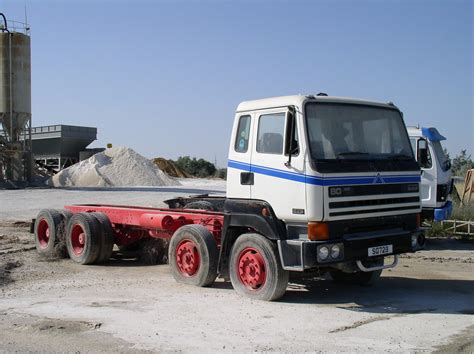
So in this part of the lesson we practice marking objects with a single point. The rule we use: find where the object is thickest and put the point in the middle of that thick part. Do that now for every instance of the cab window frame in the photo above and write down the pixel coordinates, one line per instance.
(258, 148)
(240, 130)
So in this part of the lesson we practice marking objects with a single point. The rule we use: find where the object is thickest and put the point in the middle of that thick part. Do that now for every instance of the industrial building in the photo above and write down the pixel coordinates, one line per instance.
(52, 147)
(59, 146)
(15, 103)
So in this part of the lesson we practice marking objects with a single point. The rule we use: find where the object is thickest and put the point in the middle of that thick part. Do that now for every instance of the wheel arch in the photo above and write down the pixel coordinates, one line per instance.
(244, 216)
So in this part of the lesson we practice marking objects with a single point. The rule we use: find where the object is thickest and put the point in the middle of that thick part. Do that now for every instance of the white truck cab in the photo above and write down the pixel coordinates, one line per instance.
(338, 145)
(331, 169)
(436, 178)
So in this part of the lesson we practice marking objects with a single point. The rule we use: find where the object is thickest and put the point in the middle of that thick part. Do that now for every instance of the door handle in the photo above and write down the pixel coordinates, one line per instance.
(246, 178)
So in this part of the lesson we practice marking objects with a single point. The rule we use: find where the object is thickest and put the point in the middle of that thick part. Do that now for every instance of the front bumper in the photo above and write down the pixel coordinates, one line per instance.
(299, 255)
(443, 213)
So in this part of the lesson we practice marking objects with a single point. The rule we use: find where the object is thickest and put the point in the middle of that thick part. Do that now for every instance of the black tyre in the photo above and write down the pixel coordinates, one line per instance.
(50, 229)
(255, 268)
(201, 205)
(193, 255)
(106, 237)
(357, 278)
(67, 214)
(61, 249)
(153, 251)
(83, 238)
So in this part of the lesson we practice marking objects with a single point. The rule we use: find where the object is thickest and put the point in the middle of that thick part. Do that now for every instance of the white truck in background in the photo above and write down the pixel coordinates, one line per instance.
(436, 178)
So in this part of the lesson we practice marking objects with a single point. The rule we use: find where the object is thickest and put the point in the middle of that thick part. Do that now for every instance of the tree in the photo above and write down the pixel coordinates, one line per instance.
(198, 168)
(461, 163)
(222, 173)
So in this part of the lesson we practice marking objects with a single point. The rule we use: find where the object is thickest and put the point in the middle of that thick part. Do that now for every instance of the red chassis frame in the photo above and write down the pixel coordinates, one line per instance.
(132, 223)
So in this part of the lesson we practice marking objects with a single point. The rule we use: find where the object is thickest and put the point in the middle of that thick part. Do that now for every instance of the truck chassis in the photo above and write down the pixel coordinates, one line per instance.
(245, 243)
(87, 234)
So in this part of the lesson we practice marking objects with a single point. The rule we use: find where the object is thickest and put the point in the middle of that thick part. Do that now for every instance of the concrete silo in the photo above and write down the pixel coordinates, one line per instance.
(15, 103)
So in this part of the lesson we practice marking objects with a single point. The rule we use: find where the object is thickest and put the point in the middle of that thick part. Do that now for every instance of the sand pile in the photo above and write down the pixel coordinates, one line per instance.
(118, 166)
(170, 168)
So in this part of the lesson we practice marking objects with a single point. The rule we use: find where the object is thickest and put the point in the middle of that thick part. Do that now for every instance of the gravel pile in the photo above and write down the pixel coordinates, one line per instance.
(115, 167)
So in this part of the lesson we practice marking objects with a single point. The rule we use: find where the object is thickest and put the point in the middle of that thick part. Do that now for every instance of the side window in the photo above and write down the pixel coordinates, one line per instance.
(271, 128)
(243, 131)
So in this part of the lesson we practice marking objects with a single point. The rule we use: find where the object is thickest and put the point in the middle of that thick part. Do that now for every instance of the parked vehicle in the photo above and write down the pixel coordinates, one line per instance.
(436, 177)
(314, 183)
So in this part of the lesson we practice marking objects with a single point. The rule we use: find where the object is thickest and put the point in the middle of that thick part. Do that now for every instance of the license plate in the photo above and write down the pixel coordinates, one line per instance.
(379, 250)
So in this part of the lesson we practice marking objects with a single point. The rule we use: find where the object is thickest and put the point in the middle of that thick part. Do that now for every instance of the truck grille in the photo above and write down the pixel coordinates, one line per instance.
(370, 202)
(364, 200)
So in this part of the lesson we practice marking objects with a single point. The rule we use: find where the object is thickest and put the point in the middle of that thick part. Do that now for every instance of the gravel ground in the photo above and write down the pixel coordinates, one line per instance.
(425, 304)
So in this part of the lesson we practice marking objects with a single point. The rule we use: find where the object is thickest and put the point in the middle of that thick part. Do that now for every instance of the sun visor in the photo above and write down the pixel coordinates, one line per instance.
(432, 134)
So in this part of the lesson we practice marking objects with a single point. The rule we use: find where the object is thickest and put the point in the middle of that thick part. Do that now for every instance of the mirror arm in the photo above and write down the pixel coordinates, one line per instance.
(292, 128)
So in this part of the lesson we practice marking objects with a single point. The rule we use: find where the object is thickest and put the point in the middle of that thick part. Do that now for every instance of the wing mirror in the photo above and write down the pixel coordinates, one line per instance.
(422, 153)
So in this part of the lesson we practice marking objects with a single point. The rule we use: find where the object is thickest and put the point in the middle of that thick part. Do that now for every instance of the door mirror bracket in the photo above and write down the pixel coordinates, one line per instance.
(290, 148)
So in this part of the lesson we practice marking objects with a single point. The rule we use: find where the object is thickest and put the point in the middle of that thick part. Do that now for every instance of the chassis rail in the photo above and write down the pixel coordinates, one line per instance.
(129, 221)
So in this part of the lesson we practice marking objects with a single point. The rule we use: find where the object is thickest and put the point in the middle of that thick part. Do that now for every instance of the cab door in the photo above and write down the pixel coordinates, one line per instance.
(277, 178)
(239, 175)
(428, 177)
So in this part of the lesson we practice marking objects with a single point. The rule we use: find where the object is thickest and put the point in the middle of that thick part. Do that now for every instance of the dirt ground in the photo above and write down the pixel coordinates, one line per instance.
(425, 304)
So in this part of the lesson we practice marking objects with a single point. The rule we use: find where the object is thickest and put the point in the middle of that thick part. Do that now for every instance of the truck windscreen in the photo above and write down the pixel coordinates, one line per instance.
(350, 133)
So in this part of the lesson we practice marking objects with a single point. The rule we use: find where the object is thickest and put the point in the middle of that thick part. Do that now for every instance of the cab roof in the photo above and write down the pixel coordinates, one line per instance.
(298, 100)
(431, 133)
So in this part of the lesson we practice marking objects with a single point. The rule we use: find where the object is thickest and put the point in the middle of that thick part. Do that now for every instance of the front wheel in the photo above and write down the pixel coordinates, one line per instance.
(255, 268)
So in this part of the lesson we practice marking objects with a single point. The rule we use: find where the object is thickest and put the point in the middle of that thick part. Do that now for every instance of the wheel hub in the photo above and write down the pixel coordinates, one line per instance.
(187, 258)
(251, 268)
(78, 239)
(43, 233)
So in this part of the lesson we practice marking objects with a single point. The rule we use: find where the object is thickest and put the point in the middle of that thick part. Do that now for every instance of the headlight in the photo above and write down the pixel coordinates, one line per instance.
(323, 253)
(335, 251)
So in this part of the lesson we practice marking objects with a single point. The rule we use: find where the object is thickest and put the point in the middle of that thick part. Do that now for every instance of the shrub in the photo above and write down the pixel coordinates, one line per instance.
(198, 168)
(465, 212)
(436, 229)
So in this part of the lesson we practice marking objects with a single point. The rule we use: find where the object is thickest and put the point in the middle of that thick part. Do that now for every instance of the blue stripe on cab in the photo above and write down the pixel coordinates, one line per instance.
(320, 181)
(239, 165)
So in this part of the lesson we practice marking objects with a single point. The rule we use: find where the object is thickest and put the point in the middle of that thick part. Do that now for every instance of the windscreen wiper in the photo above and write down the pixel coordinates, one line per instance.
(350, 153)
(400, 157)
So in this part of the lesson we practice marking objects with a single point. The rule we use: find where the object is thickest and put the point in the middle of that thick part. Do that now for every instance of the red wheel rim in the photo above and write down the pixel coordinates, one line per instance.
(187, 258)
(78, 239)
(43, 233)
(251, 269)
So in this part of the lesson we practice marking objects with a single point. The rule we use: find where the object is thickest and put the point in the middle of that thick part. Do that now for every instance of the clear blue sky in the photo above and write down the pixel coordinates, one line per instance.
(164, 77)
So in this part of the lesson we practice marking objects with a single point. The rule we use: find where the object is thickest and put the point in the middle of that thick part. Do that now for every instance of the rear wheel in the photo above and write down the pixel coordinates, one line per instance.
(49, 231)
(255, 268)
(357, 278)
(106, 237)
(61, 248)
(83, 238)
(193, 255)
(67, 214)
